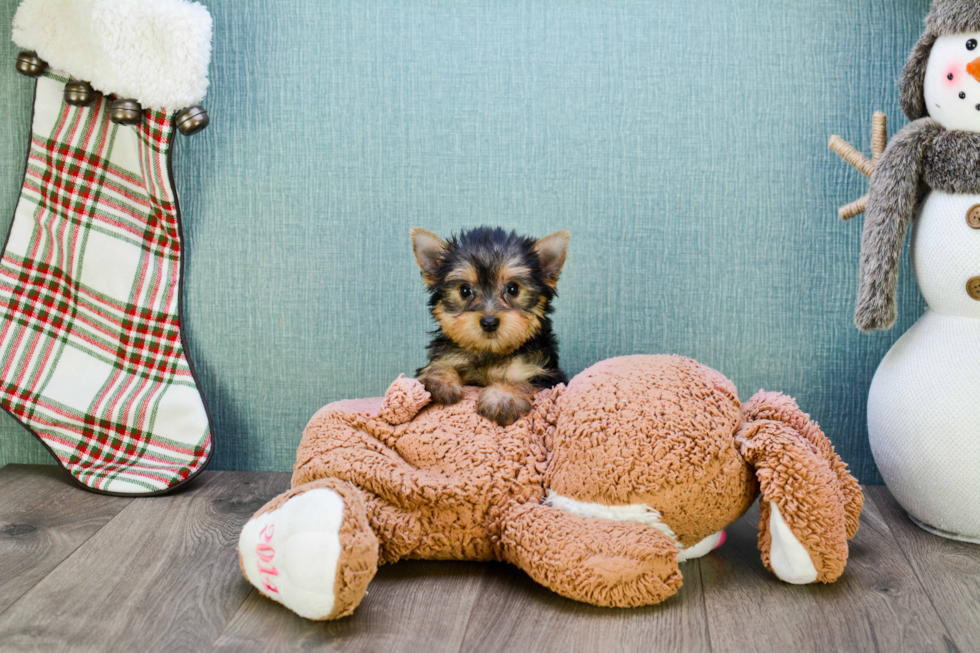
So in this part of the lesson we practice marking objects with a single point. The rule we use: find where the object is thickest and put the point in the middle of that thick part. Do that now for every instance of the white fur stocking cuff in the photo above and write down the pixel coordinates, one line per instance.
(156, 52)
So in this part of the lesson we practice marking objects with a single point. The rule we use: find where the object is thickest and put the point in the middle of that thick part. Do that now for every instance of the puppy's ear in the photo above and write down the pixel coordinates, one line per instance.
(429, 250)
(551, 251)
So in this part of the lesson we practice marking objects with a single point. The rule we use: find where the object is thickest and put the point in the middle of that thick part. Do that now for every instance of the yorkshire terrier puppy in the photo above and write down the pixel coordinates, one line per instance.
(490, 294)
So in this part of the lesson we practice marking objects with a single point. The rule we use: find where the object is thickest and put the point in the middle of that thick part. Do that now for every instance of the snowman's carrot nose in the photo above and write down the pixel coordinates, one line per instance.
(974, 69)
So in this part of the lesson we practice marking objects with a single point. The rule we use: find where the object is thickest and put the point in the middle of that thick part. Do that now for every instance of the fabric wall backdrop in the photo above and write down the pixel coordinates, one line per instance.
(682, 143)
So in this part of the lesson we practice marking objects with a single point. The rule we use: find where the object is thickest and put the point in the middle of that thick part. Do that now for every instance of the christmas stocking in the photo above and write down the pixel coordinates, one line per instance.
(91, 348)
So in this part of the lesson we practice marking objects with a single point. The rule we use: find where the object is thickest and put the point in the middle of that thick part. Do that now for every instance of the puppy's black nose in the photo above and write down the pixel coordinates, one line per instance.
(489, 323)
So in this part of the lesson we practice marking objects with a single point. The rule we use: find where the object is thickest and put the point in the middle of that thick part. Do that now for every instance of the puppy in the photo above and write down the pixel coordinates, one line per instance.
(490, 294)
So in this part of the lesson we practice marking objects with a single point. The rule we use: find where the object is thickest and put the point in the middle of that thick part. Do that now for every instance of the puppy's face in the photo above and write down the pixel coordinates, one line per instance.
(489, 307)
(490, 290)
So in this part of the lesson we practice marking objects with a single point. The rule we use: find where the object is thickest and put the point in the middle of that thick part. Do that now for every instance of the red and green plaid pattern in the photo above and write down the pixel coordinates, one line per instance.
(90, 344)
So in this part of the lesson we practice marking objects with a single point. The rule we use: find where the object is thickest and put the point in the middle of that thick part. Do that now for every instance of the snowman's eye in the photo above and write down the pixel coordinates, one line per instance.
(962, 95)
(971, 44)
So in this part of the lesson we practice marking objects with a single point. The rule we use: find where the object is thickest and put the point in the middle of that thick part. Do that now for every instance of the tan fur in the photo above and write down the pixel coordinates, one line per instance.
(507, 393)
(442, 382)
(515, 329)
(441, 482)
(552, 250)
(427, 247)
(464, 329)
(519, 369)
(510, 272)
(504, 403)
(539, 310)
(465, 274)
(514, 370)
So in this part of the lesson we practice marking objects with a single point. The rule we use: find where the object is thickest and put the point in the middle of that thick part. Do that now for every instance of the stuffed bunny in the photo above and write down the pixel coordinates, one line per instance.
(598, 493)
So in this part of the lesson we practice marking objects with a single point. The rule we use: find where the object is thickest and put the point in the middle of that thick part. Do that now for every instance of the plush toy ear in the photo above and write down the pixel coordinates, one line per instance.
(551, 251)
(429, 250)
(912, 84)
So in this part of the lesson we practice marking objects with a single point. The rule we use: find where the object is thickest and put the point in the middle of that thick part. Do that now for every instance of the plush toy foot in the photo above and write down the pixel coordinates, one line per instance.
(788, 559)
(807, 499)
(780, 408)
(616, 564)
(311, 549)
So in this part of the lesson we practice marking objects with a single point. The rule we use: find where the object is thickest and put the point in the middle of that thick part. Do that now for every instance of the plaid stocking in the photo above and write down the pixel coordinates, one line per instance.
(91, 355)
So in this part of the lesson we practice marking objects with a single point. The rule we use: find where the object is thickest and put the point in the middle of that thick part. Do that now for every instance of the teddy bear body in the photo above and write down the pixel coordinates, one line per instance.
(695, 478)
(598, 493)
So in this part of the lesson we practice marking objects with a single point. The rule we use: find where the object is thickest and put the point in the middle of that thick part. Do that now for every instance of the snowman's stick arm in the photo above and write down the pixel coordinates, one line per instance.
(879, 136)
(847, 152)
(855, 208)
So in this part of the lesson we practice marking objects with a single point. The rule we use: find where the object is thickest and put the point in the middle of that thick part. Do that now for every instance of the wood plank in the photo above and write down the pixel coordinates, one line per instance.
(877, 605)
(44, 518)
(412, 605)
(514, 613)
(162, 575)
(949, 570)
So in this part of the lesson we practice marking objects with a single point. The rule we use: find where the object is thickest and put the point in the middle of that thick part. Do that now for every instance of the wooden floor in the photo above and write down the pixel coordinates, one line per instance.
(80, 571)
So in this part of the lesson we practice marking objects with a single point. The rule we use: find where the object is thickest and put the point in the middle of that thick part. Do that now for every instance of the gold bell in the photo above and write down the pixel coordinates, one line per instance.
(192, 120)
(79, 93)
(28, 63)
(126, 112)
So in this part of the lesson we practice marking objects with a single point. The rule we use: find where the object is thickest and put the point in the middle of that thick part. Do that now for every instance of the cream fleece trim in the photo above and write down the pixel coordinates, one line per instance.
(640, 513)
(156, 52)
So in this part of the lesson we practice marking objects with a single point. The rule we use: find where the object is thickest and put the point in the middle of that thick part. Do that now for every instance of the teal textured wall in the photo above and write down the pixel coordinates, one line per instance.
(682, 143)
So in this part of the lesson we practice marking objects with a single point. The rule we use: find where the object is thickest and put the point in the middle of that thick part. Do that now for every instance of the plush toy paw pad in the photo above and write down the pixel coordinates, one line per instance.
(789, 559)
(291, 554)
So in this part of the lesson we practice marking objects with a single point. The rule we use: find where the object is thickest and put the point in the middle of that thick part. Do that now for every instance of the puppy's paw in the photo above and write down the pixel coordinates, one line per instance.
(444, 384)
(504, 404)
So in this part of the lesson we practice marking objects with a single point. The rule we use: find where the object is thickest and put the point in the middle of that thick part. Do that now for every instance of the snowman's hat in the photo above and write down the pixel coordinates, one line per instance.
(947, 17)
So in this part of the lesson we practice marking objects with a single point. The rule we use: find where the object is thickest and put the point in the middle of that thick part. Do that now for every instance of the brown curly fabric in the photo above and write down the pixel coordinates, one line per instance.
(663, 435)
(658, 433)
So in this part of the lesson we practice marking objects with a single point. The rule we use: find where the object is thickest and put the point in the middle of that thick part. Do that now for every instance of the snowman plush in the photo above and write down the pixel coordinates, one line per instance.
(924, 401)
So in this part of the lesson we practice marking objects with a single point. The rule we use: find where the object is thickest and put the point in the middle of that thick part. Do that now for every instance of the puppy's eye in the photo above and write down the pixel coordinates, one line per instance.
(971, 44)
(465, 292)
(513, 289)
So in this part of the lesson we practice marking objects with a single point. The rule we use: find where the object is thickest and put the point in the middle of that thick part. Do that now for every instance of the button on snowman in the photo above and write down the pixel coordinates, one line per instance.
(923, 406)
